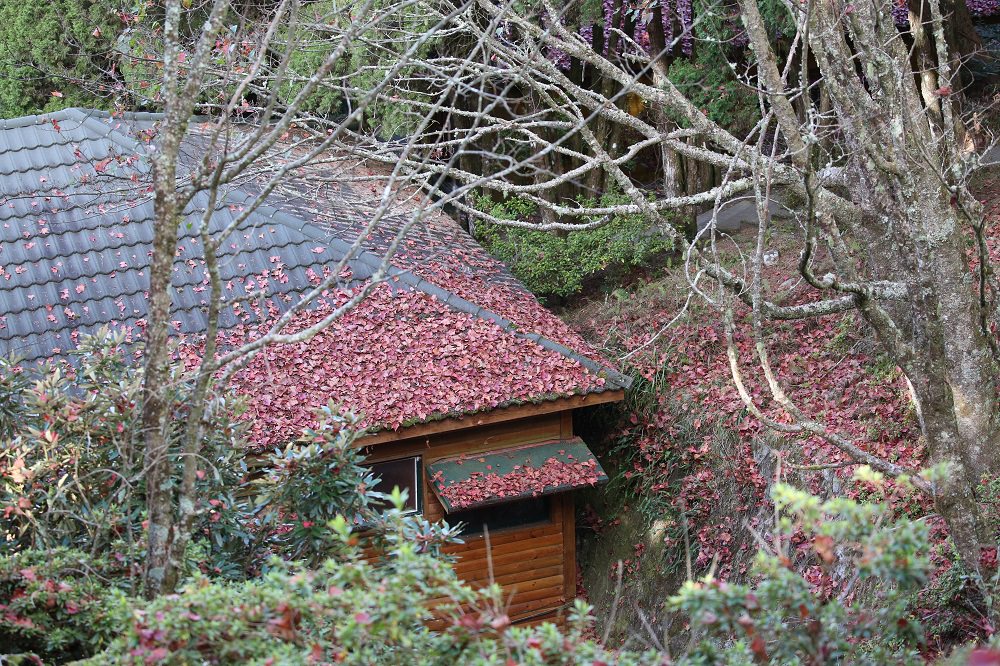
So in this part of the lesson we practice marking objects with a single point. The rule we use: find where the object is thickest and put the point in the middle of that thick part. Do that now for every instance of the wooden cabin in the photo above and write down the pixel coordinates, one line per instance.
(531, 527)
(465, 384)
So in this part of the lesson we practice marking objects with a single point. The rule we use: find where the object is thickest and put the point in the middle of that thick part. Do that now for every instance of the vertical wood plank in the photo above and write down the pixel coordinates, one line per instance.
(566, 424)
(568, 520)
(569, 546)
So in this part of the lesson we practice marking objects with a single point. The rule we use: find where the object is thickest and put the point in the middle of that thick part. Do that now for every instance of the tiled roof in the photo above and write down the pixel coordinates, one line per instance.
(75, 237)
(76, 229)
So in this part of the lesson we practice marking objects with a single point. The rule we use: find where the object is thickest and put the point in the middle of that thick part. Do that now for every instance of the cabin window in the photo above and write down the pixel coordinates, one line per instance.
(404, 473)
(502, 516)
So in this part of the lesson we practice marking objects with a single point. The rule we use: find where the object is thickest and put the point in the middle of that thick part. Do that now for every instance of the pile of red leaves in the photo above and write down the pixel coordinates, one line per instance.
(829, 367)
(399, 358)
(824, 368)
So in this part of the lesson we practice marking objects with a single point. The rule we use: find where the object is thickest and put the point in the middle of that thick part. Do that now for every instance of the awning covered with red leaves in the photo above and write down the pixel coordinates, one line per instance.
(473, 481)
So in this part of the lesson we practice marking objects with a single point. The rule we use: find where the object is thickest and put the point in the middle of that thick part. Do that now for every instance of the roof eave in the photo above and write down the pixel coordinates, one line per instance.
(499, 415)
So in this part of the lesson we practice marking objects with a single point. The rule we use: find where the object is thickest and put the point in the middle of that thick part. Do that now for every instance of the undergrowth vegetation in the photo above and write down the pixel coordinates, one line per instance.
(552, 264)
(698, 470)
(849, 540)
(308, 572)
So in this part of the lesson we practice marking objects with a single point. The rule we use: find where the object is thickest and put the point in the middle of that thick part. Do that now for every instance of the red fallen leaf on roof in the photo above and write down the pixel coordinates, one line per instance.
(396, 370)
(526, 480)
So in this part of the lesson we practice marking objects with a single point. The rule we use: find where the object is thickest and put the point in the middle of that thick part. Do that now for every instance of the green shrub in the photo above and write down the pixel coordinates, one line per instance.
(351, 610)
(56, 54)
(553, 265)
(875, 568)
(322, 476)
(58, 604)
(71, 457)
(71, 461)
(70, 553)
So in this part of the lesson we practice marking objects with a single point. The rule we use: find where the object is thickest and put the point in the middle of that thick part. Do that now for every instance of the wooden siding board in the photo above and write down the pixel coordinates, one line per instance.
(516, 578)
(514, 535)
(517, 548)
(569, 547)
(540, 554)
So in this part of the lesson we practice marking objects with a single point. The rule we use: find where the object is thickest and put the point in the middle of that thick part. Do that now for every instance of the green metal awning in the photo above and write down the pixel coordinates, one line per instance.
(472, 481)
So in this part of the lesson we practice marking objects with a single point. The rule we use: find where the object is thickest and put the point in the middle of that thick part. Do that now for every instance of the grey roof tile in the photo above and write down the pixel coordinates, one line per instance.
(74, 243)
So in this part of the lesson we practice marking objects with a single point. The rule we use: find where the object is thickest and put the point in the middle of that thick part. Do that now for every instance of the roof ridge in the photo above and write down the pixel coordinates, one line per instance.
(456, 302)
(93, 116)
(38, 118)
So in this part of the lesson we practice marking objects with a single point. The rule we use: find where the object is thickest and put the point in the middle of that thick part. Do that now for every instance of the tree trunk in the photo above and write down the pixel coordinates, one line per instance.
(960, 32)
(671, 162)
(160, 574)
(956, 496)
(596, 179)
(971, 368)
(692, 185)
(952, 371)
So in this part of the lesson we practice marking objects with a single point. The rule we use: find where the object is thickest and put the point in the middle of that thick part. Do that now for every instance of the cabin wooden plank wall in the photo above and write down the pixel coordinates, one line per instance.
(535, 564)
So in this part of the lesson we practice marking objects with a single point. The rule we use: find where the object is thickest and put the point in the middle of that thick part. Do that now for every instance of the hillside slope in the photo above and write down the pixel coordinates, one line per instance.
(694, 467)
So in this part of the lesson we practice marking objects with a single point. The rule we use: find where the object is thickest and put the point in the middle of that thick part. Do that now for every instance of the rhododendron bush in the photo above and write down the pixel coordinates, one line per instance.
(69, 475)
(781, 619)
(69, 471)
(62, 605)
